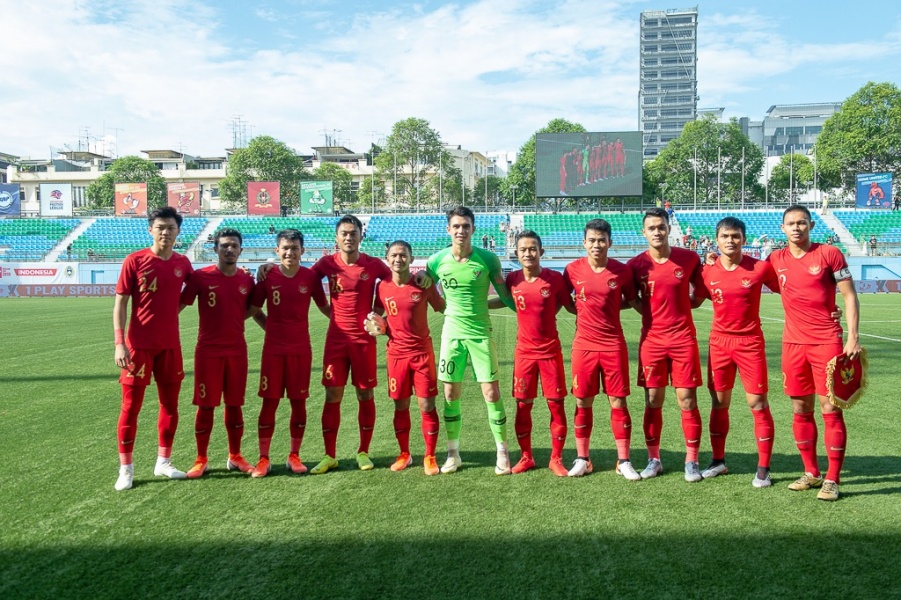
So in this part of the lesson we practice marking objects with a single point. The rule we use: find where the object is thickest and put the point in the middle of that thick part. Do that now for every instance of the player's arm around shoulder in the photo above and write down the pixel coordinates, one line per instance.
(435, 299)
(496, 273)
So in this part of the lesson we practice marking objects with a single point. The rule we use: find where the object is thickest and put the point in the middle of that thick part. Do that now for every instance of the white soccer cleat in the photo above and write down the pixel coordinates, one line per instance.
(452, 463)
(581, 467)
(503, 462)
(164, 468)
(626, 469)
(762, 483)
(692, 472)
(126, 477)
(714, 470)
(654, 468)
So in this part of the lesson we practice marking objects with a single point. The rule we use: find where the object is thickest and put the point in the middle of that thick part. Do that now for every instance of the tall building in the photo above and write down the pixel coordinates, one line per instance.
(794, 128)
(668, 92)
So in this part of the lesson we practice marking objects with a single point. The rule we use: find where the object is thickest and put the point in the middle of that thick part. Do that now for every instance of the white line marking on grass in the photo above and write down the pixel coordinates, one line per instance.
(878, 337)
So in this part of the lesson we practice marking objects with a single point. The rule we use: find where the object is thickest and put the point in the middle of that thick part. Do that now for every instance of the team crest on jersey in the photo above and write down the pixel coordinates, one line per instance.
(243, 289)
(612, 284)
(302, 289)
(678, 273)
(745, 282)
(545, 292)
(476, 273)
(814, 269)
(415, 296)
(178, 272)
(364, 276)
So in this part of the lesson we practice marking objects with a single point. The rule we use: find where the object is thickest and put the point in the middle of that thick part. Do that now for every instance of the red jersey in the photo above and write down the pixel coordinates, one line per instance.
(351, 288)
(665, 291)
(287, 302)
(735, 295)
(155, 286)
(407, 311)
(537, 303)
(223, 307)
(599, 299)
(808, 287)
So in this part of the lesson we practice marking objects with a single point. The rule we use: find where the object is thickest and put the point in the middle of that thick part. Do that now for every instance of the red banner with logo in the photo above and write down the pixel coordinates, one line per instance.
(184, 198)
(131, 199)
(263, 198)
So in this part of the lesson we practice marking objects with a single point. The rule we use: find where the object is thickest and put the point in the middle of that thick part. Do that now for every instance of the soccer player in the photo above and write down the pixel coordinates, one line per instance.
(600, 357)
(809, 275)
(220, 358)
(287, 355)
(466, 274)
(733, 283)
(538, 295)
(410, 356)
(349, 350)
(152, 279)
(668, 349)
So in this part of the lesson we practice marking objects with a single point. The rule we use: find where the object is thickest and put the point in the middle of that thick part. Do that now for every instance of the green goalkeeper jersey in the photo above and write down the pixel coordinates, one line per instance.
(466, 285)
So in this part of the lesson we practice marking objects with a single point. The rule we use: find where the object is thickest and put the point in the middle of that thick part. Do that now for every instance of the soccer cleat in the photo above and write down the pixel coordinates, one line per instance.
(262, 469)
(325, 465)
(430, 465)
(236, 462)
(452, 463)
(502, 466)
(626, 469)
(363, 462)
(762, 483)
(714, 469)
(126, 477)
(557, 468)
(526, 463)
(581, 467)
(403, 461)
(293, 463)
(805, 482)
(198, 469)
(164, 468)
(654, 468)
(829, 491)
(692, 472)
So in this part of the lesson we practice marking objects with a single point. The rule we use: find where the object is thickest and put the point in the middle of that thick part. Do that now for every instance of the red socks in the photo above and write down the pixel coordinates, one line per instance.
(402, 429)
(297, 424)
(203, 426)
(804, 427)
(691, 429)
(621, 425)
(583, 424)
(266, 424)
(764, 431)
(167, 422)
(366, 419)
(331, 420)
(132, 399)
(523, 426)
(719, 429)
(558, 427)
(653, 425)
(835, 436)
(430, 426)
(234, 428)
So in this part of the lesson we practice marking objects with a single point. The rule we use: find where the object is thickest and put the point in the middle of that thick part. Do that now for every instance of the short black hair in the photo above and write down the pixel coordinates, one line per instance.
(655, 212)
(598, 225)
(461, 211)
(165, 212)
(528, 234)
(399, 243)
(797, 208)
(349, 219)
(732, 223)
(290, 235)
(227, 232)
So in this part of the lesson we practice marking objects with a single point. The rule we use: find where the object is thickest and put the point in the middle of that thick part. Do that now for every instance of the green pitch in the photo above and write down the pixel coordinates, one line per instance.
(64, 531)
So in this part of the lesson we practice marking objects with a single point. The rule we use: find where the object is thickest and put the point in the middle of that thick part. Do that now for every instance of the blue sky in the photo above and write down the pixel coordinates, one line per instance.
(152, 74)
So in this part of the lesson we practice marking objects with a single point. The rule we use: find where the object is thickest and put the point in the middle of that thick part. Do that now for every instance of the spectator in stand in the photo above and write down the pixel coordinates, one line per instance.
(485, 241)
(669, 209)
(873, 243)
(271, 230)
(491, 243)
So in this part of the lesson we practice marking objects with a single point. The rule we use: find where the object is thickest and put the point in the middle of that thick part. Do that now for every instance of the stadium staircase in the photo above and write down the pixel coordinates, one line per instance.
(59, 252)
(211, 227)
(847, 238)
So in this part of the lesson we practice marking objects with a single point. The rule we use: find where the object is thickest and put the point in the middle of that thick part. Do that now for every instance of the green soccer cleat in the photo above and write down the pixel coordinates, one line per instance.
(325, 465)
(363, 462)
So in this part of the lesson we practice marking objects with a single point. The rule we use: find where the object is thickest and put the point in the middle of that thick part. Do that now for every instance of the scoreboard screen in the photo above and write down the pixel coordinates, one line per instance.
(588, 164)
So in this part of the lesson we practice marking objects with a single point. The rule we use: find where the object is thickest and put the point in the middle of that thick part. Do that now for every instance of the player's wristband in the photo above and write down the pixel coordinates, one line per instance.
(119, 336)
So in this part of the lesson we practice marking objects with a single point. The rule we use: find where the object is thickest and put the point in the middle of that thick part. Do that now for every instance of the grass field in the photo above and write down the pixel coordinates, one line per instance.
(64, 532)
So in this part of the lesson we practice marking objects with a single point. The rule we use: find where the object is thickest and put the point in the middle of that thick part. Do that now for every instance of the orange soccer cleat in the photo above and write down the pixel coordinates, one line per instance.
(403, 461)
(262, 469)
(430, 465)
(197, 470)
(236, 462)
(293, 463)
(557, 468)
(526, 463)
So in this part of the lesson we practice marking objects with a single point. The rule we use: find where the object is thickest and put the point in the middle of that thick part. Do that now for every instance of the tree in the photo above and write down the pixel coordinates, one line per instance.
(793, 175)
(522, 172)
(413, 154)
(864, 136)
(264, 159)
(341, 183)
(128, 169)
(716, 150)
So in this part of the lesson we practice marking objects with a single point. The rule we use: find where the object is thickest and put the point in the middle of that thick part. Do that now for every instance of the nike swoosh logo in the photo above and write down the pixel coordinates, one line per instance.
(580, 282)
(180, 373)
(783, 269)
(275, 287)
(714, 282)
(371, 379)
(213, 287)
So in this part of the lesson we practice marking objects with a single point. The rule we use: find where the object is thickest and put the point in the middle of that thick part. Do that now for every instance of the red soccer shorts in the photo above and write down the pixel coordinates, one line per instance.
(677, 358)
(526, 372)
(359, 359)
(286, 375)
(804, 367)
(593, 371)
(409, 372)
(218, 375)
(166, 366)
(746, 353)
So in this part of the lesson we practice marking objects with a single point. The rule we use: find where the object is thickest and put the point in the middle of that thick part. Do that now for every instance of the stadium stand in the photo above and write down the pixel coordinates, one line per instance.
(32, 239)
(428, 233)
(885, 225)
(561, 234)
(761, 224)
(113, 238)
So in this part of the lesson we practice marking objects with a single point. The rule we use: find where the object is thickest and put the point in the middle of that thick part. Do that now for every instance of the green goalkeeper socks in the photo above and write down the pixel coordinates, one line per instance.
(497, 420)
(453, 419)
